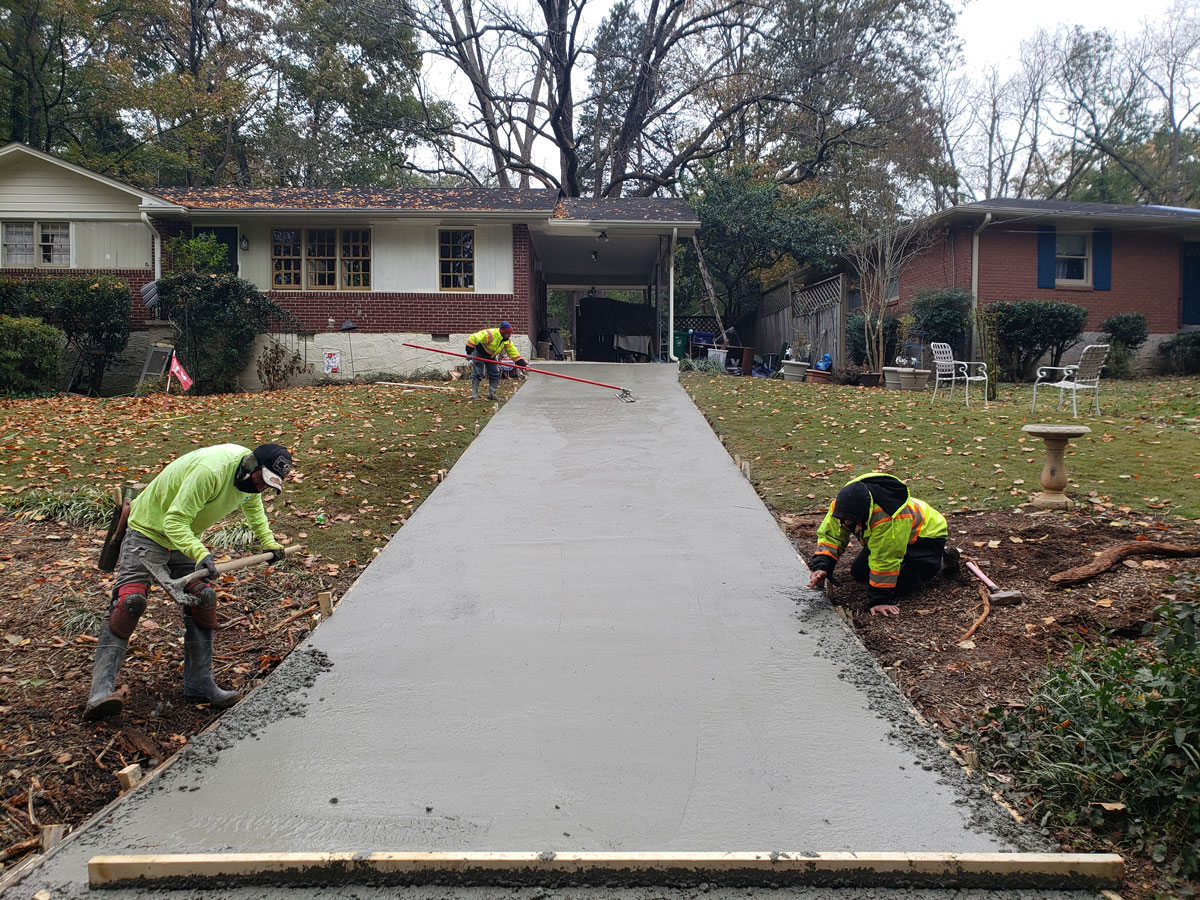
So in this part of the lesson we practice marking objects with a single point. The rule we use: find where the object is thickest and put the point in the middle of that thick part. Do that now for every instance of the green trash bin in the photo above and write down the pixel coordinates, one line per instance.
(682, 340)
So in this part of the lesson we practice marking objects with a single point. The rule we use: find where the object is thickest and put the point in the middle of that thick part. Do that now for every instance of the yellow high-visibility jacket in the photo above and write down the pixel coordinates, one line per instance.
(888, 536)
(492, 342)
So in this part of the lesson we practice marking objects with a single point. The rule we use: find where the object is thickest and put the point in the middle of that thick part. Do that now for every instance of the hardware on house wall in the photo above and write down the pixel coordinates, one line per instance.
(245, 244)
(594, 255)
(602, 237)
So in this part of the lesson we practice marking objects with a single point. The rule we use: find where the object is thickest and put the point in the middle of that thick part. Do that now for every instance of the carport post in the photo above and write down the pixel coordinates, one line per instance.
(671, 301)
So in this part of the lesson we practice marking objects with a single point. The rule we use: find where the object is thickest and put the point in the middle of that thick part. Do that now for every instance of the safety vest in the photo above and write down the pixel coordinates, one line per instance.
(887, 537)
(492, 342)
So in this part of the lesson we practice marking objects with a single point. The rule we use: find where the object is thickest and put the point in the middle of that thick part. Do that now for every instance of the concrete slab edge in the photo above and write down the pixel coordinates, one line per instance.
(1058, 871)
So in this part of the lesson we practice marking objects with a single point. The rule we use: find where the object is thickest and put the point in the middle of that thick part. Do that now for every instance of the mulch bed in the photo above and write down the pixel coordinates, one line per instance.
(56, 768)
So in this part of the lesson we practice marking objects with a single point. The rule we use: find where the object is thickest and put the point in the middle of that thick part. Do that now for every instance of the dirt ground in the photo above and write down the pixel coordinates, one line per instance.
(57, 769)
(951, 681)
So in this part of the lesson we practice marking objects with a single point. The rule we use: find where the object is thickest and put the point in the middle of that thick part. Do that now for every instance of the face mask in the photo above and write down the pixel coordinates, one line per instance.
(243, 479)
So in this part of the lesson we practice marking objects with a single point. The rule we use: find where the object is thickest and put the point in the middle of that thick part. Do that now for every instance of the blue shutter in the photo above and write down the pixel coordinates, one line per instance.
(1046, 256)
(1102, 259)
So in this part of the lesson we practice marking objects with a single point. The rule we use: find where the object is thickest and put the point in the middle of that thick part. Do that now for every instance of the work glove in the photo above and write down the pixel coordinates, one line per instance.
(520, 363)
(470, 350)
(277, 555)
(209, 565)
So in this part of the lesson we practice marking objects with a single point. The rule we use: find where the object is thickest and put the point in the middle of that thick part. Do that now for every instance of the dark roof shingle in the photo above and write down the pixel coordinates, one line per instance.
(411, 199)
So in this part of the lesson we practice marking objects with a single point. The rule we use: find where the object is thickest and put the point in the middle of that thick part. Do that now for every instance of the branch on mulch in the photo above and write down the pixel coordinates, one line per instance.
(1114, 555)
(987, 608)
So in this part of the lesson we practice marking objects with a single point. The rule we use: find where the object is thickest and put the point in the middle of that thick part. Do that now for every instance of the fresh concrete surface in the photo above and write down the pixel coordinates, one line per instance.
(592, 636)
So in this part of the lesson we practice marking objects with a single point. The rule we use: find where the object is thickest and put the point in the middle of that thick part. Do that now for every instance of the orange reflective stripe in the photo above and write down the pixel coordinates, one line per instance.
(883, 579)
(918, 518)
(821, 552)
(878, 517)
(827, 544)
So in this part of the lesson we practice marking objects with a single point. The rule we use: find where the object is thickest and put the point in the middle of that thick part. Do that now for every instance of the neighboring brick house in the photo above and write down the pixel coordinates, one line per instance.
(422, 265)
(1107, 258)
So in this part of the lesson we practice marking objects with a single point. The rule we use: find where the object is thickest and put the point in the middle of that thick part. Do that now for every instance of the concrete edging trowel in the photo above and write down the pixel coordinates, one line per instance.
(177, 587)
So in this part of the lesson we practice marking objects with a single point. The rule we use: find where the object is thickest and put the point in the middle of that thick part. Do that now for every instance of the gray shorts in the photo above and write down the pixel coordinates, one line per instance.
(129, 566)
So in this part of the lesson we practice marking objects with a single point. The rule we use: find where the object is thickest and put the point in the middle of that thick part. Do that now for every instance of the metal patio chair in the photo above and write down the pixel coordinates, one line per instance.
(1083, 376)
(948, 370)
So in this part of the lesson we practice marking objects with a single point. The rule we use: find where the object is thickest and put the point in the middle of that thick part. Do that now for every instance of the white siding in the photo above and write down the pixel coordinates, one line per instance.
(404, 256)
(112, 245)
(35, 187)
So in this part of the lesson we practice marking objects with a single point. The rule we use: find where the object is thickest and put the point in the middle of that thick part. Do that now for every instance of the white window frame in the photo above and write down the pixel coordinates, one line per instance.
(1088, 259)
(340, 271)
(37, 244)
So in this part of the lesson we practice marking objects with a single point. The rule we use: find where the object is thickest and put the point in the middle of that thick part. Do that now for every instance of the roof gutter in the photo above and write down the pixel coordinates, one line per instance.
(987, 220)
(671, 300)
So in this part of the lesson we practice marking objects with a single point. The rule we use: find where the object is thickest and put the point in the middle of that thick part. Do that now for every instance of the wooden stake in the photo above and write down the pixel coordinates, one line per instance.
(325, 601)
(52, 836)
(129, 776)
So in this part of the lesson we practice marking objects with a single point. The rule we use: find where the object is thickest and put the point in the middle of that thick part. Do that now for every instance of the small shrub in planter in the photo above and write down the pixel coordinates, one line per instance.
(30, 353)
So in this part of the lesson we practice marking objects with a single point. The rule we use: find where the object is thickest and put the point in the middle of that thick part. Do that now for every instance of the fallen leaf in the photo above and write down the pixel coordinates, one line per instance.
(1048, 620)
(1155, 564)
(1104, 603)
(966, 645)
(1110, 807)
(993, 545)
(1131, 563)
(1015, 539)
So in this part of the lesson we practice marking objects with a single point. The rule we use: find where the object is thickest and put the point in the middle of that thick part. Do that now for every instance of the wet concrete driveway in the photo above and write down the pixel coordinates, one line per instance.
(592, 636)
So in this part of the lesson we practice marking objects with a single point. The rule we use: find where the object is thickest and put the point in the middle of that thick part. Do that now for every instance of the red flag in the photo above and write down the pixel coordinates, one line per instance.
(181, 375)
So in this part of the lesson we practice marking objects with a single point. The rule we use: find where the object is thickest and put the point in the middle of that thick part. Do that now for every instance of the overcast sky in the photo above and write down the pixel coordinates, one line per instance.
(992, 30)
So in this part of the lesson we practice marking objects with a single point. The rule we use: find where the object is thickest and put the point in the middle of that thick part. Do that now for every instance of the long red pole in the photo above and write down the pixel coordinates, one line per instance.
(522, 368)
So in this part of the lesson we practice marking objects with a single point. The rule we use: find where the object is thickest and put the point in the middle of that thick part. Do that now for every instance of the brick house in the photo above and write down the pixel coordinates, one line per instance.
(426, 265)
(1107, 258)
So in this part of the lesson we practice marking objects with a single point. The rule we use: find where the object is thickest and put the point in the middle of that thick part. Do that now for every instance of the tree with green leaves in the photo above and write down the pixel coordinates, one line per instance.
(751, 231)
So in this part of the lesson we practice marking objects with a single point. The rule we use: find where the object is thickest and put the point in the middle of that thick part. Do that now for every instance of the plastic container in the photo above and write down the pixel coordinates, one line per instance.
(718, 355)
(681, 344)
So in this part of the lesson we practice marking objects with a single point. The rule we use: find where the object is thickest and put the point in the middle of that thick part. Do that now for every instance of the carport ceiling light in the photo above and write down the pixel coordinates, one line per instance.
(602, 237)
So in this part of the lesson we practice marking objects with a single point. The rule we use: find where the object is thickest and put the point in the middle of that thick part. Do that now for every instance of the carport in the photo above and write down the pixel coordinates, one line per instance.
(592, 247)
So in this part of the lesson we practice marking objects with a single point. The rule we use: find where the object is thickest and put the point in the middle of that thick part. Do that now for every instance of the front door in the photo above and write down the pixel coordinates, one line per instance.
(227, 235)
(1191, 283)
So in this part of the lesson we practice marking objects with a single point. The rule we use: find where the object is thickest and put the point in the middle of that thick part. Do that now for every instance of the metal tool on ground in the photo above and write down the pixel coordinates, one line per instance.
(995, 594)
(623, 395)
(177, 587)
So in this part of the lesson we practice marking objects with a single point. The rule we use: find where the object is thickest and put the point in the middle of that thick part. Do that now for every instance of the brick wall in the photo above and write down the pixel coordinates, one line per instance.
(136, 278)
(1146, 276)
(945, 263)
(1146, 273)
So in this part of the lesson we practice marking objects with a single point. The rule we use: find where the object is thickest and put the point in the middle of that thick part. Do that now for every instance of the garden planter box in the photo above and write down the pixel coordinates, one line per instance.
(818, 376)
(904, 379)
(794, 370)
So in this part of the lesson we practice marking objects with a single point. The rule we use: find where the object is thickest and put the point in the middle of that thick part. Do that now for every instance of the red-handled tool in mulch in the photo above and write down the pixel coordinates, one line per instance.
(993, 588)
(623, 395)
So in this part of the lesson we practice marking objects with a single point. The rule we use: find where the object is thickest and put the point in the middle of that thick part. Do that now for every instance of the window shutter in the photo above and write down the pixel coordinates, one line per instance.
(1046, 255)
(1102, 259)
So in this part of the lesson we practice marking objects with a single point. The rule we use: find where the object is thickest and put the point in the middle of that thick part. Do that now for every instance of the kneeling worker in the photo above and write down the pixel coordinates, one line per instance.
(903, 538)
(485, 347)
(166, 522)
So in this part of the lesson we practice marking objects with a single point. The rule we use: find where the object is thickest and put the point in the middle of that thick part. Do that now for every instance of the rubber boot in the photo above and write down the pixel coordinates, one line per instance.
(105, 700)
(492, 385)
(198, 682)
(950, 558)
(474, 388)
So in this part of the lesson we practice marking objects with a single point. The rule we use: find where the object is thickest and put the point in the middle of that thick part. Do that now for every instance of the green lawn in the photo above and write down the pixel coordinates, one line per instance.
(803, 441)
(366, 455)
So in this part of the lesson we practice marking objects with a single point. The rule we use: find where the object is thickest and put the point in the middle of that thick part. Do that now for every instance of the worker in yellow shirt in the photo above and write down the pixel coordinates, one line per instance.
(485, 347)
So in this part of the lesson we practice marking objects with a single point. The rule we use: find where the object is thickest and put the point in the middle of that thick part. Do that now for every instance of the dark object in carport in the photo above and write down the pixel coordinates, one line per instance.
(601, 319)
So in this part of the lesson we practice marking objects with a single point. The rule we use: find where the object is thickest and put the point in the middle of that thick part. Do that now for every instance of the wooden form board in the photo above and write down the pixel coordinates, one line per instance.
(943, 869)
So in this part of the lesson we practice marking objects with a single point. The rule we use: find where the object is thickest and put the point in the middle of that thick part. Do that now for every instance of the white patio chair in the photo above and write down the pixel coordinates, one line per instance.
(1083, 376)
(948, 370)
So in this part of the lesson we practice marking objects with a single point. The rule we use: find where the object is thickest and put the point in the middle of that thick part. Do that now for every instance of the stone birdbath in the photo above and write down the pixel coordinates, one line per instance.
(1054, 473)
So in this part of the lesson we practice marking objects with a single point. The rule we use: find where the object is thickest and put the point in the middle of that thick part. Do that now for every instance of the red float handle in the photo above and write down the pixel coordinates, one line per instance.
(515, 366)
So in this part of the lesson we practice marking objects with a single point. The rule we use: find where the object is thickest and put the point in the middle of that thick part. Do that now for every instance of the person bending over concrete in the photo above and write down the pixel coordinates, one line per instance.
(166, 521)
(903, 538)
(486, 346)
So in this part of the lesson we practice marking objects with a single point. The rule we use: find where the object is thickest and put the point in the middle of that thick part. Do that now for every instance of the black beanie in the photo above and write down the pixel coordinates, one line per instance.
(853, 504)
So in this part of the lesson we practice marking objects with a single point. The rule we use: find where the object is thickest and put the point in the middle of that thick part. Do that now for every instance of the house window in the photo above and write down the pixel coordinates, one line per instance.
(37, 244)
(321, 259)
(457, 260)
(1072, 259)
